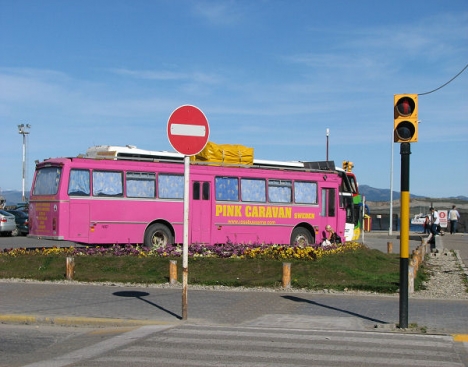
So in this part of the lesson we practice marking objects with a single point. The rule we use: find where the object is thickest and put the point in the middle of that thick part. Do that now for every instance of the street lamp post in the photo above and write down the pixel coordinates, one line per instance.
(23, 129)
(328, 134)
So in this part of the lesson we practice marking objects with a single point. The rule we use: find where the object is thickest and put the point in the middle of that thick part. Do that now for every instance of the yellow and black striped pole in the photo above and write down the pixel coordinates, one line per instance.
(405, 151)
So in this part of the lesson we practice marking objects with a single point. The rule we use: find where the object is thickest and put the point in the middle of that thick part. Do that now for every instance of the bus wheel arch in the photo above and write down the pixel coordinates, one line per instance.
(303, 235)
(159, 234)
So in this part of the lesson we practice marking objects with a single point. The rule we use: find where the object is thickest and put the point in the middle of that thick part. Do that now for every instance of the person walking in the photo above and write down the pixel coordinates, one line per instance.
(454, 217)
(435, 221)
(427, 225)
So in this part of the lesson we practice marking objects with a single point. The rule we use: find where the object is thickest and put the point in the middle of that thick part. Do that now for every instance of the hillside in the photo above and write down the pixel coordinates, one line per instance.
(373, 194)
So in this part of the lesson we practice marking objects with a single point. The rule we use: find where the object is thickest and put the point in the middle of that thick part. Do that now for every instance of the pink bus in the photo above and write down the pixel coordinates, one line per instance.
(138, 199)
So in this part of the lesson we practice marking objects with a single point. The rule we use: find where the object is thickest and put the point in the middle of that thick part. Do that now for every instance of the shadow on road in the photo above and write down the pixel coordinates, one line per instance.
(297, 299)
(140, 295)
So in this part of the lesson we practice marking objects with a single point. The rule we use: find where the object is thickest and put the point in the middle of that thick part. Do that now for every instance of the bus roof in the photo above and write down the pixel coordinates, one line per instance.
(131, 152)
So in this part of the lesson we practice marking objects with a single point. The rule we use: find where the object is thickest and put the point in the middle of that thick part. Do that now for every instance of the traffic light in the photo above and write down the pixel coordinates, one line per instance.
(348, 166)
(405, 118)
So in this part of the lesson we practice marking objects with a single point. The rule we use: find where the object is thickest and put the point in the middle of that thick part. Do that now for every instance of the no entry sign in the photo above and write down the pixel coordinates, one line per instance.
(188, 130)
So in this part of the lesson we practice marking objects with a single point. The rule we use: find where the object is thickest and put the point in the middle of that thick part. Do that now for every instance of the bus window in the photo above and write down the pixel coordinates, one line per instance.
(305, 192)
(79, 182)
(47, 181)
(328, 202)
(227, 188)
(140, 184)
(107, 183)
(253, 190)
(279, 191)
(170, 186)
(206, 191)
(196, 191)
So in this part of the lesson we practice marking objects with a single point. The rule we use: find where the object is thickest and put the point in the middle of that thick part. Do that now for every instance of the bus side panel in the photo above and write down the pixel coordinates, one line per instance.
(125, 221)
(260, 223)
(79, 221)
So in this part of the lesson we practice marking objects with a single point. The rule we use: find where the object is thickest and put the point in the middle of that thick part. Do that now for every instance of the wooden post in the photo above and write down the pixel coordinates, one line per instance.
(173, 272)
(286, 275)
(424, 245)
(70, 268)
(389, 247)
(415, 260)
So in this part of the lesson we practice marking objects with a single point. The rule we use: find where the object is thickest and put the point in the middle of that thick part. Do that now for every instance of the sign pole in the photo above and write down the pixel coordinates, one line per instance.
(405, 151)
(186, 236)
(188, 132)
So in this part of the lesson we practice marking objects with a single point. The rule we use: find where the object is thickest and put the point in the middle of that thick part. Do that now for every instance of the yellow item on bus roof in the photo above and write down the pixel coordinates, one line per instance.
(225, 154)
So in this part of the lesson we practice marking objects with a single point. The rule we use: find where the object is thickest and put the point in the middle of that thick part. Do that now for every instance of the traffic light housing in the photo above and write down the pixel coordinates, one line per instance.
(348, 166)
(405, 125)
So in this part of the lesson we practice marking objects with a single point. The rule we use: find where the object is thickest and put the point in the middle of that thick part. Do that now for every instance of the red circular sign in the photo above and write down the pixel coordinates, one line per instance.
(188, 130)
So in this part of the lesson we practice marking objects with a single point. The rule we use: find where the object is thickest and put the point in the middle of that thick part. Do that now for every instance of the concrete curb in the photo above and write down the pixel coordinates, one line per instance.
(79, 321)
(462, 264)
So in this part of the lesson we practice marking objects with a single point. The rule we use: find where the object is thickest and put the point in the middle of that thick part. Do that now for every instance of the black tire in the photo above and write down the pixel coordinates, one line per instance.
(301, 237)
(158, 235)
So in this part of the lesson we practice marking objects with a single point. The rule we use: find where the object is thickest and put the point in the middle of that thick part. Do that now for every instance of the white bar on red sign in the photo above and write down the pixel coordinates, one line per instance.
(188, 130)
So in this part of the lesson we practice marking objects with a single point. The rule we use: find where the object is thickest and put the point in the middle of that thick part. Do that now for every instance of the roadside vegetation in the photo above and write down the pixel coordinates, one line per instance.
(351, 266)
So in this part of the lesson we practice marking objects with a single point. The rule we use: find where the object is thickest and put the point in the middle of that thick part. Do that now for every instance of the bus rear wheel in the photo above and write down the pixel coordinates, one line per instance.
(158, 235)
(301, 237)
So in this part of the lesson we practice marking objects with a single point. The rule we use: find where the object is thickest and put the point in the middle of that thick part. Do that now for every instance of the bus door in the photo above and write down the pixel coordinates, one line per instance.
(328, 210)
(200, 212)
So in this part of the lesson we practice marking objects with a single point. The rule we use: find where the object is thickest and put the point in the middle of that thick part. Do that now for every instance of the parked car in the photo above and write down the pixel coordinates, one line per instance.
(22, 222)
(7, 223)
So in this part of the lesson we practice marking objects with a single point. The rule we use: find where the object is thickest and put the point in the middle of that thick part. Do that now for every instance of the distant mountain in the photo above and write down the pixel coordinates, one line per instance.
(373, 194)
(13, 197)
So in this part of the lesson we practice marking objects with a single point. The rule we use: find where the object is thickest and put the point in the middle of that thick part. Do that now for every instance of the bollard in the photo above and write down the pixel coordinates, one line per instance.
(286, 275)
(70, 268)
(173, 272)
(389, 247)
(439, 244)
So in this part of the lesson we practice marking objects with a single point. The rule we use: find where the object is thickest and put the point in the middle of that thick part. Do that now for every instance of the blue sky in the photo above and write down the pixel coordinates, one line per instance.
(272, 75)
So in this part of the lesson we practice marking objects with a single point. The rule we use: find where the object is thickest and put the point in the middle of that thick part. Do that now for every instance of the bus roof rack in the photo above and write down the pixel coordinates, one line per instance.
(320, 165)
(131, 152)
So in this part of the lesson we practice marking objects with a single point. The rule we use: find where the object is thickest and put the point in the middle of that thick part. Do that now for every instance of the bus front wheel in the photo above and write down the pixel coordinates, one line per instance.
(301, 237)
(158, 235)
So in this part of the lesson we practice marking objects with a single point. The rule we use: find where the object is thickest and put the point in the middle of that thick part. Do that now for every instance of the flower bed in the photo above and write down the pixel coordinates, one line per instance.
(229, 250)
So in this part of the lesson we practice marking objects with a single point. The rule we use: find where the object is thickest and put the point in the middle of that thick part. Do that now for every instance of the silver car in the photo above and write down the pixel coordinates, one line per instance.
(7, 223)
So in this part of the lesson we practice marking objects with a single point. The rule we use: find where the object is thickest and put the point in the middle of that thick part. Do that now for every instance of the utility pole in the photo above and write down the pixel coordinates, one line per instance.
(23, 129)
(328, 134)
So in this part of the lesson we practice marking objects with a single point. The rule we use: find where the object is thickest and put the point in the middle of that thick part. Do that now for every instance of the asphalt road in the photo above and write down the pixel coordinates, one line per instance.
(23, 241)
(218, 345)
(224, 327)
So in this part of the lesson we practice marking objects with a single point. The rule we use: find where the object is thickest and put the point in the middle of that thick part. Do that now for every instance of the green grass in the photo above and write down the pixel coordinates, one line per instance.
(363, 269)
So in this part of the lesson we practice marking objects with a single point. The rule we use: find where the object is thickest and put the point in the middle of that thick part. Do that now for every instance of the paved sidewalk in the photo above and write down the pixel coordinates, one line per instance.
(70, 303)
